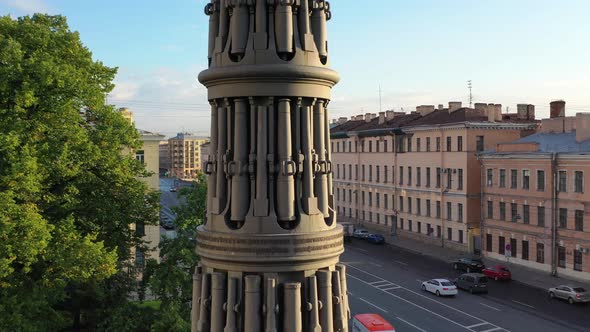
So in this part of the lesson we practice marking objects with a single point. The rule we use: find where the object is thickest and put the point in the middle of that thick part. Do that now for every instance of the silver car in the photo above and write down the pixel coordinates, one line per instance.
(570, 293)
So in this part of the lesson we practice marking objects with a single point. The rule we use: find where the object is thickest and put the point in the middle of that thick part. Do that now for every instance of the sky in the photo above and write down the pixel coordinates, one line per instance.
(411, 52)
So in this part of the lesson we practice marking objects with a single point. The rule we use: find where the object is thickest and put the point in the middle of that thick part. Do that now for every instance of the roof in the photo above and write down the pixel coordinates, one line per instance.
(556, 142)
(364, 126)
(444, 117)
(188, 136)
(374, 322)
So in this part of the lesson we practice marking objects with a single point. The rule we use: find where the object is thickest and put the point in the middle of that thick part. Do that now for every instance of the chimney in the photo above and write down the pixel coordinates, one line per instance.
(522, 111)
(381, 117)
(557, 109)
(481, 107)
(441, 107)
(530, 112)
(367, 117)
(454, 105)
(497, 111)
(389, 115)
(582, 127)
(342, 120)
(425, 109)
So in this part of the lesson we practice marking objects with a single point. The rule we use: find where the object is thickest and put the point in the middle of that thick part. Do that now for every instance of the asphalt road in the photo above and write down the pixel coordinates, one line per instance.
(167, 201)
(386, 280)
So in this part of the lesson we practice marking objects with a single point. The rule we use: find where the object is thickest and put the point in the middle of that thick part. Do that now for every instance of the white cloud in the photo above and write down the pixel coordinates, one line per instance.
(27, 6)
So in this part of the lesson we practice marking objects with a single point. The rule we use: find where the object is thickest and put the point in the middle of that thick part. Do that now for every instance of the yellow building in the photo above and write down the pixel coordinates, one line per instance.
(185, 155)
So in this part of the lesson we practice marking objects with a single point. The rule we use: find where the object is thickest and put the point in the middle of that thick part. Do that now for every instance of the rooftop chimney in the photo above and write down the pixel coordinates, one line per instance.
(441, 107)
(389, 115)
(368, 117)
(557, 109)
(582, 127)
(497, 111)
(342, 120)
(425, 109)
(522, 111)
(481, 107)
(381, 117)
(454, 105)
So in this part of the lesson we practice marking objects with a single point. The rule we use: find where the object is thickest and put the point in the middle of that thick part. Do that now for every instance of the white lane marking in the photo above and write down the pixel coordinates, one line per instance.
(377, 265)
(423, 296)
(360, 249)
(412, 325)
(390, 288)
(476, 325)
(378, 282)
(490, 330)
(371, 304)
(400, 262)
(350, 293)
(524, 304)
(417, 305)
(489, 306)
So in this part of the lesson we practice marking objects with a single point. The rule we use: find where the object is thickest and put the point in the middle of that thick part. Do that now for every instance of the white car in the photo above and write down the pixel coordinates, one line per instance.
(360, 234)
(440, 287)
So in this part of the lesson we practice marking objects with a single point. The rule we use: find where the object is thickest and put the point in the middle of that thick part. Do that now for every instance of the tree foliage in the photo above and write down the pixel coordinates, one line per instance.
(68, 192)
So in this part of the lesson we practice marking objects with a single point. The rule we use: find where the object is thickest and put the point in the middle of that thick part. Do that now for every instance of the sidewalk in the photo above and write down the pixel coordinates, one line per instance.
(525, 275)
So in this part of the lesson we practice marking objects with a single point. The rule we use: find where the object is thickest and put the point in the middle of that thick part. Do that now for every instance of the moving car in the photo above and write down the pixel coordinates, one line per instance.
(473, 282)
(570, 293)
(498, 272)
(370, 323)
(375, 238)
(173, 189)
(469, 264)
(440, 287)
(166, 222)
(360, 234)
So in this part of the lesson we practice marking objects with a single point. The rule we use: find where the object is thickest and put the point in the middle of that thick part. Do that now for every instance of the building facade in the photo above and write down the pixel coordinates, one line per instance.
(164, 156)
(185, 155)
(417, 175)
(536, 209)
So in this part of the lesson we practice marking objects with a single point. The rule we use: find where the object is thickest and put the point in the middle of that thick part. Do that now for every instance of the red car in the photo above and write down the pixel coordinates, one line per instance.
(498, 272)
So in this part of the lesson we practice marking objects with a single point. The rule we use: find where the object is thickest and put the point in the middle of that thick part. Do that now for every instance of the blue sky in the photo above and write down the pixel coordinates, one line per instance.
(419, 51)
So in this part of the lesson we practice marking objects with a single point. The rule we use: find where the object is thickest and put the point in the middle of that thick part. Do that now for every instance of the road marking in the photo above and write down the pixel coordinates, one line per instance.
(350, 293)
(400, 262)
(391, 288)
(524, 304)
(489, 306)
(378, 282)
(418, 280)
(376, 306)
(377, 265)
(360, 249)
(476, 325)
(490, 330)
(423, 296)
(412, 325)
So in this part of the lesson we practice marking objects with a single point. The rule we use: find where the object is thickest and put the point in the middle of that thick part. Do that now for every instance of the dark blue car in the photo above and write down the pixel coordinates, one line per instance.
(375, 238)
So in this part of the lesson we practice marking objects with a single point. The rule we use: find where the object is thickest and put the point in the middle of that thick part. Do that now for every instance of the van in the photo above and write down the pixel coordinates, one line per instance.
(473, 282)
(370, 323)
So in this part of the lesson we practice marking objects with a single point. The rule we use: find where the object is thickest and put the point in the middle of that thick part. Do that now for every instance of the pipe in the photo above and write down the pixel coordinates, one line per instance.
(292, 307)
(240, 183)
(341, 268)
(204, 325)
(261, 205)
(554, 207)
(221, 182)
(270, 305)
(320, 180)
(240, 22)
(196, 301)
(252, 319)
(319, 29)
(307, 196)
(284, 28)
(285, 182)
(217, 301)
(212, 159)
(313, 322)
(339, 320)
(232, 309)
(325, 297)
(212, 9)
(223, 24)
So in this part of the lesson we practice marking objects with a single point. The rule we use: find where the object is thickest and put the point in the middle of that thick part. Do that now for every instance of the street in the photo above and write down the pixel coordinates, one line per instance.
(386, 280)
(167, 201)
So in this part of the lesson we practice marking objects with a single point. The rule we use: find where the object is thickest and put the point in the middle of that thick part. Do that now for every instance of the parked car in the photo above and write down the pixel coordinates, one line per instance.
(498, 272)
(473, 282)
(570, 293)
(167, 223)
(370, 323)
(360, 234)
(469, 264)
(375, 238)
(440, 287)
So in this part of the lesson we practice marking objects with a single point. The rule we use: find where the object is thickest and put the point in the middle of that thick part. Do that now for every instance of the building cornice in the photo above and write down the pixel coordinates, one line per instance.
(471, 125)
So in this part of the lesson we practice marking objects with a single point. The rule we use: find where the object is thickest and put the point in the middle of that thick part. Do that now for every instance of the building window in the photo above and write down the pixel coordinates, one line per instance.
(377, 146)
(513, 212)
(370, 199)
(427, 144)
(409, 144)
(460, 212)
(343, 171)
(525, 214)
(401, 203)
(449, 234)
(449, 211)
(490, 177)
(561, 257)
(540, 180)
(525, 250)
(349, 196)
(385, 174)
(140, 155)
(541, 216)
(401, 175)
(356, 172)
(410, 205)
(418, 145)
(490, 210)
(438, 144)
(562, 181)
(385, 201)
(562, 218)
(370, 216)
(418, 176)
(501, 245)
(428, 208)
(377, 173)
(427, 177)
(418, 206)
(579, 220)
(479, 144)
(449, 143)
(449, 178)
(513, 179)
(377, 200)
(419, 227)
(502, 178)
(385, 146)
(370, 145)
(513, 250)
(460, 236)
(438, 209)
(370, 173)
(438, 177)
(363, 166)
(579, 182)
(460, 179)
(401, 223)
(489, 242)
(540, 253)
(349, 146)
(139, 258)
(526, 176)
(363, 199)
(438, 232)
(410, 228)
(409, 176)
(459, 143)
(349, 171)
(577, 260)
(502, 211)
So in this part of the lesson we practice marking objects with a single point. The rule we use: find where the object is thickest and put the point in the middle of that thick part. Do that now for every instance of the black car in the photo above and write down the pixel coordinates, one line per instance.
(473, 282)
(468, 264)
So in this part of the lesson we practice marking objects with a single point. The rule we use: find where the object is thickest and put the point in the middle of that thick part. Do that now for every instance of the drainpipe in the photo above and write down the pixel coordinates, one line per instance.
(442, 192)
(554, 208)
(481, 198)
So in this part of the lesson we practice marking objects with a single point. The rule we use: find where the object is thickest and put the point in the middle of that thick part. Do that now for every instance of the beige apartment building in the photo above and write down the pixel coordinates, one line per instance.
(164, 156)
(417, 175)
(185, 155)
(536, 204)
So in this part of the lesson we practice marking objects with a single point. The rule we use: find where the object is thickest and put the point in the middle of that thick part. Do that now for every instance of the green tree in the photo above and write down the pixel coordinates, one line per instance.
(171, 281)
(68, 191)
